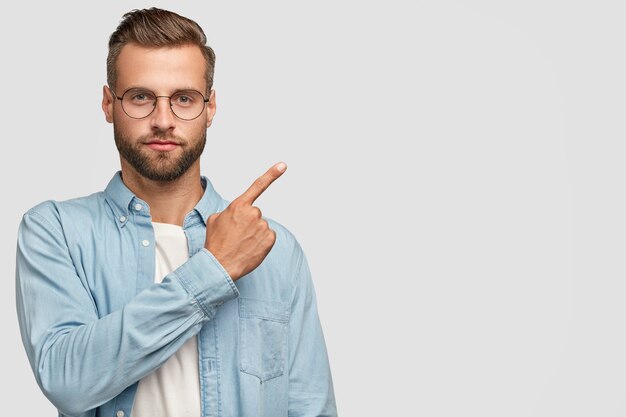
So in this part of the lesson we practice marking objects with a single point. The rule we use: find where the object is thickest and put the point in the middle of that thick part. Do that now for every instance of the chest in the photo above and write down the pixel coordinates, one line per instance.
(115, 264)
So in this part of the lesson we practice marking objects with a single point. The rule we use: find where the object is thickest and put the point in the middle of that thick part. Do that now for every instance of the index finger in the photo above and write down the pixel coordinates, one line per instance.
(261, 183)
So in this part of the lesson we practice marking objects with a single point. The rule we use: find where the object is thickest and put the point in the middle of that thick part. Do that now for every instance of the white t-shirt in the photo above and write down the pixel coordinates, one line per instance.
(174, 388)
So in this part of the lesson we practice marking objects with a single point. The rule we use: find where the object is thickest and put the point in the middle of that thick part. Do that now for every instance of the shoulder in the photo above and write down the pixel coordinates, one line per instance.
(287, 249)
(277, 277)
(57, 213)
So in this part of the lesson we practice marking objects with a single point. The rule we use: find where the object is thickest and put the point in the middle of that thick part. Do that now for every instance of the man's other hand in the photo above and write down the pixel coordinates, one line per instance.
(239, 237)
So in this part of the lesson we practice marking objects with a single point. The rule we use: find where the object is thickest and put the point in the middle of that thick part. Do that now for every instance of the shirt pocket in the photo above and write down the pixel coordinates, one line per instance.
(263, 337)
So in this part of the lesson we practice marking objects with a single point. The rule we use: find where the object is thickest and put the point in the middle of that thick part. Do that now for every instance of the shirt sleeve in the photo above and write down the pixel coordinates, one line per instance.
(310, 383)
(80, 360)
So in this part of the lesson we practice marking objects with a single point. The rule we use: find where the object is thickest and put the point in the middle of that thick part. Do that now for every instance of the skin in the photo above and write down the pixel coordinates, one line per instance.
(238, 237)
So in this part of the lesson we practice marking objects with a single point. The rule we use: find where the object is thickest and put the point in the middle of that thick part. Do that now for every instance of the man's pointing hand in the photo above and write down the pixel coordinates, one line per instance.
(238, 237)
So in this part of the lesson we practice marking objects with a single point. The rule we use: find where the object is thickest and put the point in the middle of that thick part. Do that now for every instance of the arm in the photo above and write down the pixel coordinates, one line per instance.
(80, 360)
(310, 383)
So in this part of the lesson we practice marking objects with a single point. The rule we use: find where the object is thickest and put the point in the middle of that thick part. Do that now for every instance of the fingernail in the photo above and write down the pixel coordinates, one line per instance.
(281, 167)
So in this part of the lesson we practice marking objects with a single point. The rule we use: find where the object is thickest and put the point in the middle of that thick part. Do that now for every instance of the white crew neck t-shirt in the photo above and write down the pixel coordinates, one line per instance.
(174, 388)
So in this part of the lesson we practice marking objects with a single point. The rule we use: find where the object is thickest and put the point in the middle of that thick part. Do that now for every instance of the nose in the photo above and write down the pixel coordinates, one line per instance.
(162, 117)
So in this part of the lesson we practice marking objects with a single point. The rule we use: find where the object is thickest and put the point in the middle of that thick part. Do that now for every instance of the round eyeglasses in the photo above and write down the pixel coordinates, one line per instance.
(138, 103)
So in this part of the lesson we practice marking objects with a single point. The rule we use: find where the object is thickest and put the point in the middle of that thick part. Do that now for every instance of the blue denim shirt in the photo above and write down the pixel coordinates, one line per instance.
(93, 321)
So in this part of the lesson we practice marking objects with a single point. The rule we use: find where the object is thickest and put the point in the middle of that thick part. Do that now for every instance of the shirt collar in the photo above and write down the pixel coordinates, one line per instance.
(121, 200)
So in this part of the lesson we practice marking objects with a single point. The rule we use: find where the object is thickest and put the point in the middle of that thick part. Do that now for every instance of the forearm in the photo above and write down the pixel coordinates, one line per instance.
(81, 361)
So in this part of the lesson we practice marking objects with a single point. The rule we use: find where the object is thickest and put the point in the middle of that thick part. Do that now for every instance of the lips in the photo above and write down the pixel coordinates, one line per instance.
(162, 145)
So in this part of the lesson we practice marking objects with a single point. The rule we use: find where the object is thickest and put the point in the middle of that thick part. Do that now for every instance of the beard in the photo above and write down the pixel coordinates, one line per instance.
(160, 166)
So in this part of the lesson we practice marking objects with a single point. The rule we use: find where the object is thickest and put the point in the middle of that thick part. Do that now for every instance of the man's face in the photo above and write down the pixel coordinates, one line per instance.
(159, 147)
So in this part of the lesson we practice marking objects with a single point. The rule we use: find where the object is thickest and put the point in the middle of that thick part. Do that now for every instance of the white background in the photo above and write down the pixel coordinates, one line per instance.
(455, 177)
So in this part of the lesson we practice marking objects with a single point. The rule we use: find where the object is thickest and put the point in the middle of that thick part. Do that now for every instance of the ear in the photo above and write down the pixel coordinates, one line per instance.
(107, 103)
(210, 109)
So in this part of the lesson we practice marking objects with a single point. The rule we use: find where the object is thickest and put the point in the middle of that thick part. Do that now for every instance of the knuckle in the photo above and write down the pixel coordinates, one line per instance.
(260, 229)
(261, 182)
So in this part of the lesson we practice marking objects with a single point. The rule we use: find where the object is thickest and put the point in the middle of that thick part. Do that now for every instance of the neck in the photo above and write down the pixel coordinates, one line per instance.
(169, 201)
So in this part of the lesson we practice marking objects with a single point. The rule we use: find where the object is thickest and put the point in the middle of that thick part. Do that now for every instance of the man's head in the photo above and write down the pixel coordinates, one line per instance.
(158, 66)
(157, 28)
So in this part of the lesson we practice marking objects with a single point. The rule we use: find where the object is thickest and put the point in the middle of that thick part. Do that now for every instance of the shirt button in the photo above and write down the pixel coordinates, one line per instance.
(138, 207)
(145, 243)
(119, 413)
(122, 219)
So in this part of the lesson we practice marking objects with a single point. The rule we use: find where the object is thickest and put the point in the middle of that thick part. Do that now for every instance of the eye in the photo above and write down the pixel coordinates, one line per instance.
(140, 96)
(185, 98)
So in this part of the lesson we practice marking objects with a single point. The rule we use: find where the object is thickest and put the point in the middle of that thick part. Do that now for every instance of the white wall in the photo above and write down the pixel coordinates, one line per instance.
(455, 177)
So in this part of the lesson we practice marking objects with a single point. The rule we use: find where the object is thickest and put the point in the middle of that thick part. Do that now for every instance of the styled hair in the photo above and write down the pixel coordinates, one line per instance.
(156, 28)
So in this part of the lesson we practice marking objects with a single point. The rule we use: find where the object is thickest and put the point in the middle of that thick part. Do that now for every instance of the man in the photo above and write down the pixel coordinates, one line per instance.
(156, 297)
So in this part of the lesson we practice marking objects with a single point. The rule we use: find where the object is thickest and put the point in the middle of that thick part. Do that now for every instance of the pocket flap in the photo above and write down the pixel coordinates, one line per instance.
(263, 309)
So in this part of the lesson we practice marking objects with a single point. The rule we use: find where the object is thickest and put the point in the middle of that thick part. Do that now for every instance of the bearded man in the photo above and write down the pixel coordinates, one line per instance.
(156, 297)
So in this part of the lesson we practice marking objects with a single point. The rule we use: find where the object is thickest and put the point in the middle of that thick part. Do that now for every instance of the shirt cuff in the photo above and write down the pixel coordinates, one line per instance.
(206, 281)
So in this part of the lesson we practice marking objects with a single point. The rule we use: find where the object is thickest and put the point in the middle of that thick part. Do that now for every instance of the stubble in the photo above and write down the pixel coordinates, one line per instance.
(160, 166)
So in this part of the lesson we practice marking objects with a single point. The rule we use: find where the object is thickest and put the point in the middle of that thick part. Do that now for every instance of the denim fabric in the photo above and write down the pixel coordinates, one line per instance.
(93, 322)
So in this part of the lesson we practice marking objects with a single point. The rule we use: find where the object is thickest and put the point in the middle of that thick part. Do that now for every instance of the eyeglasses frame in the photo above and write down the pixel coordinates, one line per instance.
(121, 99)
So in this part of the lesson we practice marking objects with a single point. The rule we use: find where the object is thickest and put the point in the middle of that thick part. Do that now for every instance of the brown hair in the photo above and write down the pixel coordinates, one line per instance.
(157, 28)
